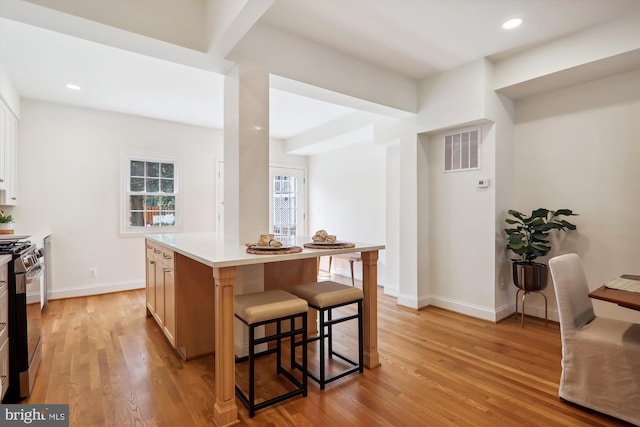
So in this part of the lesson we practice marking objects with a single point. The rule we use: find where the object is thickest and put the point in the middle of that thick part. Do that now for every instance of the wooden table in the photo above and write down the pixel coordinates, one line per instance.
(622, 298)
(281, 271)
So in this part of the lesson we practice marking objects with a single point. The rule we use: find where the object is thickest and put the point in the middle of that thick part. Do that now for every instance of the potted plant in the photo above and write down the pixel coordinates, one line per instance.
(529, 238)
(6, 223)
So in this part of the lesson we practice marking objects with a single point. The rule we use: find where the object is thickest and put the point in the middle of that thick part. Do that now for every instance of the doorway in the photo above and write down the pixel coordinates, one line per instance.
(287, 201)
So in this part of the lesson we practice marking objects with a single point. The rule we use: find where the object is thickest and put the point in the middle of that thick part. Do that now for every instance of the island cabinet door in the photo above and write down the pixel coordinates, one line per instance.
(169, 296)
(151, 279)
(159, 267)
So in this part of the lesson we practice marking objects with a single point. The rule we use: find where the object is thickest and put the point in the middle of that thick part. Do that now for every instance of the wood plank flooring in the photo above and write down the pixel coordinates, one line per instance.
(114, 367)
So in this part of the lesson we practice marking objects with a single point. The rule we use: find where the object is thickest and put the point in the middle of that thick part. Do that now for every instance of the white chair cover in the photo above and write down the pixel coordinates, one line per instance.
(600, 357)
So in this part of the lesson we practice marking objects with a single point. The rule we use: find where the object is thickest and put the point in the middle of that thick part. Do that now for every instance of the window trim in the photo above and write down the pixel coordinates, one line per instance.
(125, 228)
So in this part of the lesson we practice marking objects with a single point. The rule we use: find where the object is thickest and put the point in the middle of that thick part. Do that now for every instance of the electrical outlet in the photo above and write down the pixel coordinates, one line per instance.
(93, 273)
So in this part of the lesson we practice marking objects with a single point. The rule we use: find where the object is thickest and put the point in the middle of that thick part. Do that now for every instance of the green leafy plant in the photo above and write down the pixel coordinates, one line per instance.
(530, 237)
(4, 219)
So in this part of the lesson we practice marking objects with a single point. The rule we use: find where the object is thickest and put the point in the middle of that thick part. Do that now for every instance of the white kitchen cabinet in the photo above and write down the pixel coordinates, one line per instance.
(3, 173)
(9, 147)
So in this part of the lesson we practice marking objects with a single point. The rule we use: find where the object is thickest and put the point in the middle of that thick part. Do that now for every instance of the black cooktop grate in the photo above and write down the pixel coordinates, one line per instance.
(13, 247)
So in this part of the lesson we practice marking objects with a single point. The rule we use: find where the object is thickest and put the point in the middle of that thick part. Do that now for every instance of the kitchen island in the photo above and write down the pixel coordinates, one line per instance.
(193, 263)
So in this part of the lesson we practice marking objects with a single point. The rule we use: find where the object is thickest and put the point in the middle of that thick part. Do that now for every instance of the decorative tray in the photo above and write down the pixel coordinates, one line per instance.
(329, 245)
(270, 250)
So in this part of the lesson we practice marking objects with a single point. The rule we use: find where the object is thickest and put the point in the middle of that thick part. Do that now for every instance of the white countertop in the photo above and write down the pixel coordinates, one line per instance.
(211, 249)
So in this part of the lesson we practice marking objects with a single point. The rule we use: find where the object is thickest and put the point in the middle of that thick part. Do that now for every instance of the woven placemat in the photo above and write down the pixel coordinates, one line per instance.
(274, 251)
(344, 245)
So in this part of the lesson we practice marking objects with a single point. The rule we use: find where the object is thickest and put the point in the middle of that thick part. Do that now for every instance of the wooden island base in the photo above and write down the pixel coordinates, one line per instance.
(191, 278)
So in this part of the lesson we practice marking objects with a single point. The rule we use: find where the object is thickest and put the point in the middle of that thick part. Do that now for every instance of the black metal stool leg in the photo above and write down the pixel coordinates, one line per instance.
(360, 338)
(304, 355)
(322, 349)
(330, 333)
(252, 372)
(293, 344)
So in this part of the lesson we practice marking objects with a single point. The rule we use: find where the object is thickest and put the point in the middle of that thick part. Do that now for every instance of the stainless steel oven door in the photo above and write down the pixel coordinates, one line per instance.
(29, 283)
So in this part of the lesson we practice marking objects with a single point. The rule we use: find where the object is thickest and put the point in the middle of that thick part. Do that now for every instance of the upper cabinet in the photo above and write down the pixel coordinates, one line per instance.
(9, 159)
(3, 172)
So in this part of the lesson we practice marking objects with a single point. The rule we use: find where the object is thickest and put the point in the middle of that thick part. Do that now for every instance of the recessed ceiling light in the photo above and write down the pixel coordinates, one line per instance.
(512, 23)
(72, 86)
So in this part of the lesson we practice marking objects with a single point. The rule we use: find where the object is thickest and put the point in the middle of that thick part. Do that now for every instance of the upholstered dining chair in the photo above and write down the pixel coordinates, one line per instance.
(600, 357)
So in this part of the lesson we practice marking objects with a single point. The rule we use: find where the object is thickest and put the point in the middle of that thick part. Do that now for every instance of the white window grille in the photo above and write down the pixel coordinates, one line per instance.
(287, 203)
(151, 193)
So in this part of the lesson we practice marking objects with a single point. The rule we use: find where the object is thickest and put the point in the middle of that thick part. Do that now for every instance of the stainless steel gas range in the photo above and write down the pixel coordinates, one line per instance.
(24, 320)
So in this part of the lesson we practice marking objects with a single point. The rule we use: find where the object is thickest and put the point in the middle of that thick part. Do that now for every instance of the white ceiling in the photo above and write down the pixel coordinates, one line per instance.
(414, 38)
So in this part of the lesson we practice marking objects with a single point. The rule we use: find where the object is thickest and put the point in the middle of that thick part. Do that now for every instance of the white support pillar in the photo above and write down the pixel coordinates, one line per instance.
(246, 153)
(409, 293)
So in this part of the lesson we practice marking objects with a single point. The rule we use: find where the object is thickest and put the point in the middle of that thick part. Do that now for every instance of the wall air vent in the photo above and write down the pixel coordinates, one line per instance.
(462, 151)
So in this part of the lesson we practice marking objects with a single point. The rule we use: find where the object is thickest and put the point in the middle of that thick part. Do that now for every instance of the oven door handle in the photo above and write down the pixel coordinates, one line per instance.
(33, 274)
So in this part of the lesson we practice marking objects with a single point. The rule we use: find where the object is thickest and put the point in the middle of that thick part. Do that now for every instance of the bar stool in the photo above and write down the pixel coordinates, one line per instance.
(324, 297)
(352, 257)
(273, 307)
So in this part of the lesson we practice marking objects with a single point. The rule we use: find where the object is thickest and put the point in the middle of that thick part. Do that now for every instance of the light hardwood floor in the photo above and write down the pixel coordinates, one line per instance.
(113, 366)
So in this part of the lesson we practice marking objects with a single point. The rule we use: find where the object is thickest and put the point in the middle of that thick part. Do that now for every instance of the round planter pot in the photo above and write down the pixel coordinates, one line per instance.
(6, 227)
(530, 276)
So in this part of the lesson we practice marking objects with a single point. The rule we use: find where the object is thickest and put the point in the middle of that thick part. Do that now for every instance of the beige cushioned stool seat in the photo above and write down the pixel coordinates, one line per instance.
(267, 305)
(327, 294)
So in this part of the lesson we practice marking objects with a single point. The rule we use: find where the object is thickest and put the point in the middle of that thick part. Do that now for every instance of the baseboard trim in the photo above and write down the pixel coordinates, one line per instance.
(412, 302)
(464, 308)
(490, 314)
(103, 288)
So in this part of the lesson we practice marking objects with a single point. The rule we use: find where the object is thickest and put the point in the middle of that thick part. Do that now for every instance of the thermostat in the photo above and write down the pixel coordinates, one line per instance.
(483, 182)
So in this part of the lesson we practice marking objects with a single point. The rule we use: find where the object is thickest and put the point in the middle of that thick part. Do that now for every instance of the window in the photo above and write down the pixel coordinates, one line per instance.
(151, 194)
(461, 151)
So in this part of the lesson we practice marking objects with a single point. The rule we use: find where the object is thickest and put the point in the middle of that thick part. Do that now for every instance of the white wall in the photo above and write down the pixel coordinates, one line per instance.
(456, 230)
(451, 98)
(578, 148)
(347, 197)
(69, 184)
(461, 233)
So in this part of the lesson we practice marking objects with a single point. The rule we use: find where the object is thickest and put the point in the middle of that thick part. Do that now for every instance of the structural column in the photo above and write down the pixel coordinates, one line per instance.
(409, 290)
(370, 308)
(225, 411)
(246, 153)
